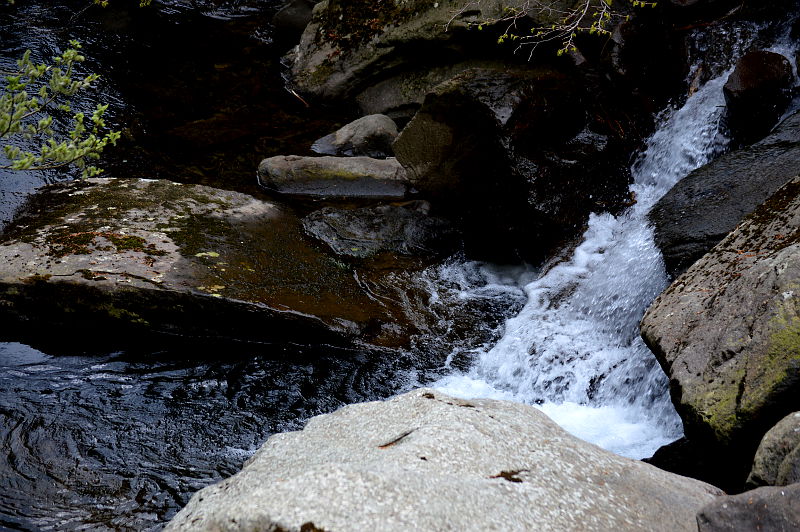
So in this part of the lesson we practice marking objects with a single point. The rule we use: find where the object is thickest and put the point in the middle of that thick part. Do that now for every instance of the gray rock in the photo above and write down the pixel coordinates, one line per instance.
(369, 136)
(777, 461)
(727, 332)
(757, 93)
(425, 461)
(708, 204)
(406, 229)
(143, 257)
(333, 176)
(350, 45)
(767, 509)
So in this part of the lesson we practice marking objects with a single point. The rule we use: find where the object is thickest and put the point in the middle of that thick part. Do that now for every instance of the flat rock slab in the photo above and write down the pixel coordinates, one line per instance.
(351, 177)
(426, 461)
(162, 257)
(727, 332)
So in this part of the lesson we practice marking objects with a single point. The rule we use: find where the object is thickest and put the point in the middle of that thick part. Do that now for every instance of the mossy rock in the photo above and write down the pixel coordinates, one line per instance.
(728, 330)
(113, 256)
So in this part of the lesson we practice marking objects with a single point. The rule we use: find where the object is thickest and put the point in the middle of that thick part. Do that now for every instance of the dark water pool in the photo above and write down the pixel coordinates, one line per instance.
(121, 440)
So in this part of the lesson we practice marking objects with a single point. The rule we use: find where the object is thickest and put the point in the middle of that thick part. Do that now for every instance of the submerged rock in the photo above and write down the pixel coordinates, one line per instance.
(356, 177)
(124, 257)
(426, 461)
(709, 203)
(768, 509)
(757, 93)
(727, 332)
(777, 461)
(369, 136)
(407, 229)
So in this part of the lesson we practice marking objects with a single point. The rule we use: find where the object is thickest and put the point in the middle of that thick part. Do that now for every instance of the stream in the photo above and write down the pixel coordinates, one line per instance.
(120, 438)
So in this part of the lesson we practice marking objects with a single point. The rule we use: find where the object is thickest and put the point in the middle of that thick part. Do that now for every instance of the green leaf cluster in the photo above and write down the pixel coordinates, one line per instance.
(593, 17)
(28, 96)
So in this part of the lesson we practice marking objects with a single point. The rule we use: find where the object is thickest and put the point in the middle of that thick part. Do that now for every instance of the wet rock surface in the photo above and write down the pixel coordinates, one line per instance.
(352, 177)
(709, 203)
(726, 333)
(161, 257)
(777, 461)
(369, 136)
(768, 509)
(757, 93)
(426, 461)
(407, 229)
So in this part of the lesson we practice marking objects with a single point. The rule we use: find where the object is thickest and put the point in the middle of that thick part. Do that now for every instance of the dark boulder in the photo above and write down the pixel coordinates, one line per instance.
(757, 94)
(515, 157)
(767, 509)
(708, 204)
(406, 229)
(777, 461)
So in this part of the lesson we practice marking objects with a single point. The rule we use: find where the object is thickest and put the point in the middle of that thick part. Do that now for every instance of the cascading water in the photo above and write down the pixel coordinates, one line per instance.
(574, 349)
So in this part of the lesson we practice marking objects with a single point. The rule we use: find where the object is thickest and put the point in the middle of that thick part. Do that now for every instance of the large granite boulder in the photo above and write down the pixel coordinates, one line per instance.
(513, 156)
(426, 461)
(353, 44)
(777, 461)
(727, 333)
(709, 203)
(127, 258)
(757, 93)
(767, 509)
(353, 177)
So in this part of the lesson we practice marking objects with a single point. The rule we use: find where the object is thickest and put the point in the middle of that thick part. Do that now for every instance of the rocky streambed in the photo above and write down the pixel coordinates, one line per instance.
(347, 274)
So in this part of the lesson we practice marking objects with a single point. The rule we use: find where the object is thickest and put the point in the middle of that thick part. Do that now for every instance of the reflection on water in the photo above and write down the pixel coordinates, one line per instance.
(122, 440)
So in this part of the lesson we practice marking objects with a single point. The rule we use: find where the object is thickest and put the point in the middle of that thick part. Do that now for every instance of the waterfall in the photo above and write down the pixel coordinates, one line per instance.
(574, 350)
